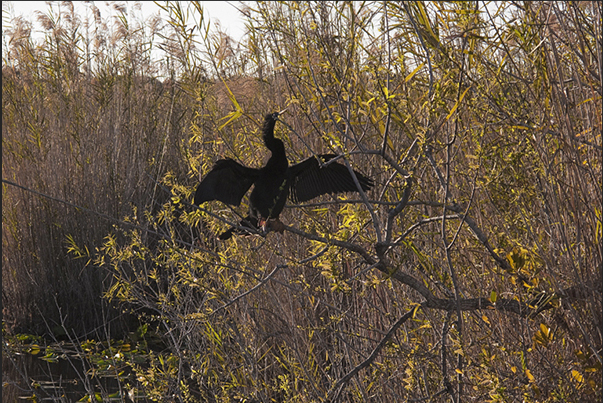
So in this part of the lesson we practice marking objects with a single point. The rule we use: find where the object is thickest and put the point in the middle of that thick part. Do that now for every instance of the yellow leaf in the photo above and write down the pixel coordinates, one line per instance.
(589, 100)
(456, 105)
(514, 369)
(238, 110)
(458, 371)
(411, 75)
(423, 18)
(543, 336)
(485, 319)
(530, 376)
(577, 376)
(231, 116)
(390, 143)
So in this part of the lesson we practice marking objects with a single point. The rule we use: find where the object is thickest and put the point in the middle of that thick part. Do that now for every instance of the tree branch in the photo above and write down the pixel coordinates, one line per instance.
(338, 387)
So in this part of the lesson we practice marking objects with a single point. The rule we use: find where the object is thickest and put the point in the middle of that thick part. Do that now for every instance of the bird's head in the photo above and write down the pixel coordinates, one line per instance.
(268, 128)
(273, 117)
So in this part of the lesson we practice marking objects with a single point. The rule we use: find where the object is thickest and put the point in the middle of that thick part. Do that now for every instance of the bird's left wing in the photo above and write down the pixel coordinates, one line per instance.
(310, 179)
(228, 181)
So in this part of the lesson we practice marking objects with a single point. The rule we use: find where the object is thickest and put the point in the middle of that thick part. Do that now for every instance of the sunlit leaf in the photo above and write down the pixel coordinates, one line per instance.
(417, 69)
(457, 103)
(577, 376)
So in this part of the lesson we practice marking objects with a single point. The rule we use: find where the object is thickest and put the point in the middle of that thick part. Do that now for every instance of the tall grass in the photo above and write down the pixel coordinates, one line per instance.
(86, 120)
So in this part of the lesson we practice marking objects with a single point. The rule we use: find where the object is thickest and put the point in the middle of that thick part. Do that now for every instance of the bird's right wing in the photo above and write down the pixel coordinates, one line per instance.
(228, 181)
(310, 179)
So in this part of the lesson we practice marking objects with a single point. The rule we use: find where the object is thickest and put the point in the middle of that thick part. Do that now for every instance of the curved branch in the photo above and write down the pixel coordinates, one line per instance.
(430, 300)
(338, 387)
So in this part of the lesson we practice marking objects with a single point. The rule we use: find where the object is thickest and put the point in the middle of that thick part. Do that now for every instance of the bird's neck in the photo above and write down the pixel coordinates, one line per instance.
(278, 159)
(268, 129)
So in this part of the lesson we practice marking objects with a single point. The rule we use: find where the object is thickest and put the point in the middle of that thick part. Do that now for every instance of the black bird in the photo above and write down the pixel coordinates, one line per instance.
(228, 181)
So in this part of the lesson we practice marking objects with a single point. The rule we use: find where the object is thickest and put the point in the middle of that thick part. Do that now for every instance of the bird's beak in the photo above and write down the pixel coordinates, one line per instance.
(283, 111)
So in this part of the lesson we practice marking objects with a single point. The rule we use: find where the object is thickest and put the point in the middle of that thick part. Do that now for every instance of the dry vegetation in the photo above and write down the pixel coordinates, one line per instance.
(471, 272)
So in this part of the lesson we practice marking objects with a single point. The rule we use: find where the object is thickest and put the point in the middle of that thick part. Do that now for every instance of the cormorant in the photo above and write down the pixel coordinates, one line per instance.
(228, 181)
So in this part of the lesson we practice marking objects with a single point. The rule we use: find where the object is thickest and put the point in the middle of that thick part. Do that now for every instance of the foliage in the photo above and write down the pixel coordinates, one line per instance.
(471, 272)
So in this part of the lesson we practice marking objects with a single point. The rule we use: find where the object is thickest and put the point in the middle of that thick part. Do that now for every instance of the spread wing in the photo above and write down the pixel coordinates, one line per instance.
(310, 180)
(228, 181)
